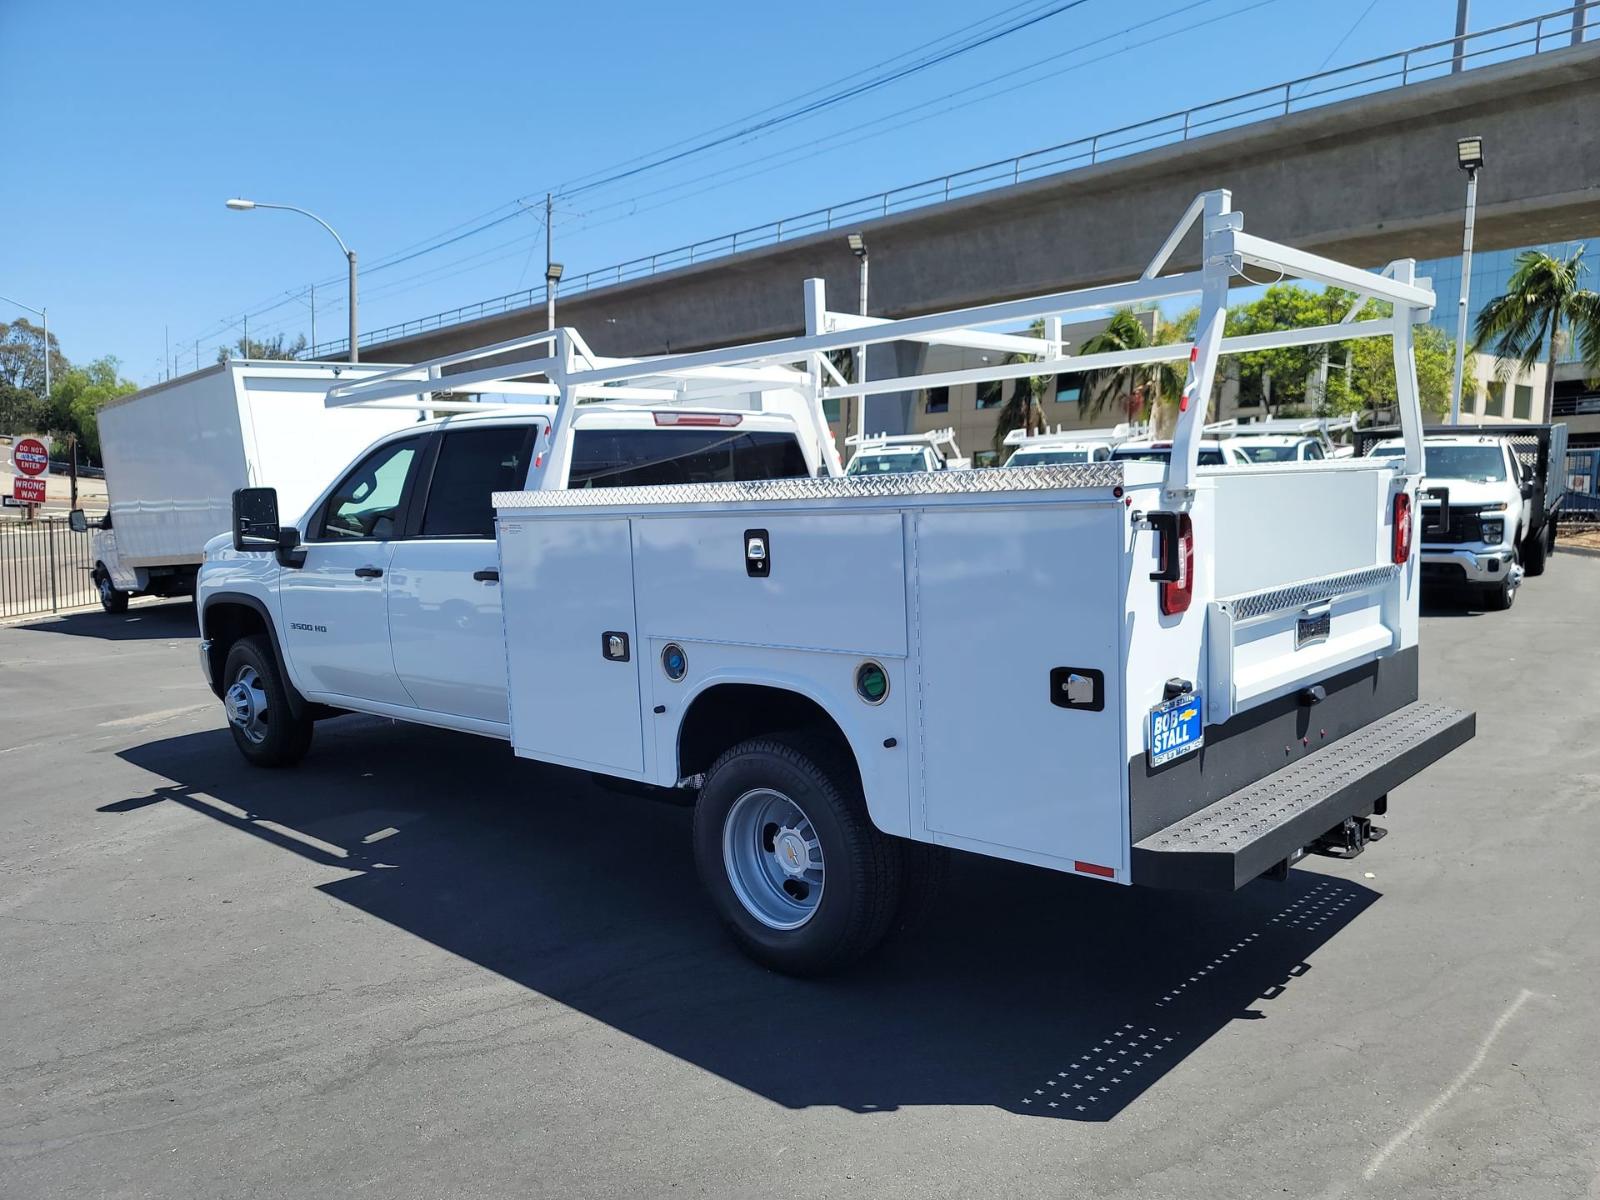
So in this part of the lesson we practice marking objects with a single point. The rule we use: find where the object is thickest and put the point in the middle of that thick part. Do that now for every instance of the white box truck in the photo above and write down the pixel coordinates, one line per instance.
(1137, 672)
(175, 453)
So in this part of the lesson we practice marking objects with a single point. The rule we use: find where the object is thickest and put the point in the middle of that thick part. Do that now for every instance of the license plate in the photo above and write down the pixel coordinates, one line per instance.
(1176, 728)
(1313, 625)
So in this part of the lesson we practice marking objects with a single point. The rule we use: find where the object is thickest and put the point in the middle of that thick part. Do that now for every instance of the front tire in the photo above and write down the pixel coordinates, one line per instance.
(1534, 552)
(256, 702)
(112, 599)
(797, 871)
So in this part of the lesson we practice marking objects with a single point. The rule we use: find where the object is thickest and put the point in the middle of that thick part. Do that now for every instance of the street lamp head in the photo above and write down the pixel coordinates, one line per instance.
(239, 205)
(857, 244)
(552, 273)
(1469, 153)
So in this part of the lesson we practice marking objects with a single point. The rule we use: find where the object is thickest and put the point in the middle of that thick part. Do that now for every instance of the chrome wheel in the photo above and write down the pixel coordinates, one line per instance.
(773, 859)
(246, 704)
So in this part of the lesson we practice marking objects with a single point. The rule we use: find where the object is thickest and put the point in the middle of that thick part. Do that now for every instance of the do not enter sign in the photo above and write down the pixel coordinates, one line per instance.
(31, 456)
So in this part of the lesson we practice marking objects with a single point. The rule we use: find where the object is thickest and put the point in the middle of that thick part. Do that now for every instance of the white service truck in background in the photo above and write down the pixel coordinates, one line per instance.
(176, 452)
(897, 453)
(1491, 501)
(1135, 672)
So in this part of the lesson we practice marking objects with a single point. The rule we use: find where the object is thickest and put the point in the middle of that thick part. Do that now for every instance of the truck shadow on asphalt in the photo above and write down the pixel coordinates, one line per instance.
(1029, 991)
(143, 622)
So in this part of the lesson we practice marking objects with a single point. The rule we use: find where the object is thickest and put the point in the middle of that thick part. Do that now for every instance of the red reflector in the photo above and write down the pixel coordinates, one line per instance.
(1402, 528)
(1175, 597)
(1095, 869)
(683, 418)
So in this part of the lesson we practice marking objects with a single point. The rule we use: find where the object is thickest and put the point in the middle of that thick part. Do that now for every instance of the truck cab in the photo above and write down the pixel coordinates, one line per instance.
(1475, 514)
(389, 599)
(903, 453)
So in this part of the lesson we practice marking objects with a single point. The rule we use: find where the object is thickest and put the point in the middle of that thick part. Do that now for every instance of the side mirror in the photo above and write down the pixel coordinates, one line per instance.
(255, 520)
(1527, 491)
(77, 522)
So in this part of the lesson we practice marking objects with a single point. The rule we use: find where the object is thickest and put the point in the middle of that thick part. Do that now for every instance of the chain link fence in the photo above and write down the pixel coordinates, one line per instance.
(44, 567)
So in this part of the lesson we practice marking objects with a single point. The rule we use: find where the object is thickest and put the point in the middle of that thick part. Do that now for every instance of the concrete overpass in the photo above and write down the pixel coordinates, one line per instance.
(1365, 180)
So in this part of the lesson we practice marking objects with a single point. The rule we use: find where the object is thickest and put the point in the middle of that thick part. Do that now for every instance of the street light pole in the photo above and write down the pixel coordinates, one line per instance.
(241, 205)
(44, 315)
(1469, 157)
(552, 276)
(858, 247)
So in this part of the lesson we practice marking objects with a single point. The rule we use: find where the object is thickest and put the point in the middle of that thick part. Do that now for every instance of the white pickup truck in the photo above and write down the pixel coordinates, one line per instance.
(1490, 504)
(1135, 672)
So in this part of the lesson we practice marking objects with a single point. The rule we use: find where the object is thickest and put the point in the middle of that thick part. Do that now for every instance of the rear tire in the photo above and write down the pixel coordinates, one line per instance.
(112, 599)
(803, 880)
(923, 879)
(256, 702)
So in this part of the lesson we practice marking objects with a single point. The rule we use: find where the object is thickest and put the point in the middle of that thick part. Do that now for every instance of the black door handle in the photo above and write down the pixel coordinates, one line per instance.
(487, 576)
(370, 572)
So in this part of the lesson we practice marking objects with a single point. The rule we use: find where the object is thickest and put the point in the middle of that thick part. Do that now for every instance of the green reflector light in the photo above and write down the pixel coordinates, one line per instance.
(872, 682)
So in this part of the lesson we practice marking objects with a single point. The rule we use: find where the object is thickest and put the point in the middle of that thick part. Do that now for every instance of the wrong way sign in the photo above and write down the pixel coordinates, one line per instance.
(27, 491)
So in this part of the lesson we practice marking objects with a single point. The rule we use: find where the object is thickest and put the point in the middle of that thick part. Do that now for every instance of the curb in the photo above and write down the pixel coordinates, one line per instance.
(1580, 551)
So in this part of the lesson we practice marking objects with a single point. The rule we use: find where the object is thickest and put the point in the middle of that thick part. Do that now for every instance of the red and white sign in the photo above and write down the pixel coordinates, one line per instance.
(31, 456)
(27, 491)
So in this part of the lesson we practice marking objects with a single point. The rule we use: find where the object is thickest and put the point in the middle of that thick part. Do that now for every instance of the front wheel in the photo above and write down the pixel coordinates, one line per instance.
(256, 701)
(1534, 551)
(1498, 597)
(782, 841)
(112, 599)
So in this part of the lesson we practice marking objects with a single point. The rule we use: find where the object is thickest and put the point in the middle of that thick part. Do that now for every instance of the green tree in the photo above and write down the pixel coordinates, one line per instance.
(1291, 370)
(1139, 389)
(23, 404)
(1361, 372)
(1543, 310)
(279, 347)
(1023, 410)
(79, 397)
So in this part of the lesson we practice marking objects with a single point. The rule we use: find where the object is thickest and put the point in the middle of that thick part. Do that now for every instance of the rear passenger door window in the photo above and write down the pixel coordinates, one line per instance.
(473, 465)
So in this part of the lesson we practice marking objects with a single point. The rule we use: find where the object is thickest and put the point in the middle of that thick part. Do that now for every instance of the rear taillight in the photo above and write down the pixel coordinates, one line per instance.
(1175, 595)
(1402, 528)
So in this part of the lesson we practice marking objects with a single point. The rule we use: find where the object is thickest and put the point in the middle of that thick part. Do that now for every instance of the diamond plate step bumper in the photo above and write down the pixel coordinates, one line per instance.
(1227, 844)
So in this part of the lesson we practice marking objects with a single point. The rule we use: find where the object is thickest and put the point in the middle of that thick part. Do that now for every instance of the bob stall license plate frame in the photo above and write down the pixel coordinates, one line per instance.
(1175, 729)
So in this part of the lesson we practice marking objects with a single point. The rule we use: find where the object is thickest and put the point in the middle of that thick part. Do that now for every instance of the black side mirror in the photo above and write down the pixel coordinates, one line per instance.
(77, 522)
(255, 520)
(1527, 491)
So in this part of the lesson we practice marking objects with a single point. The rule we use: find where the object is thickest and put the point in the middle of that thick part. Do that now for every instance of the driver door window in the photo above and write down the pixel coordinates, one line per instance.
(366, 504)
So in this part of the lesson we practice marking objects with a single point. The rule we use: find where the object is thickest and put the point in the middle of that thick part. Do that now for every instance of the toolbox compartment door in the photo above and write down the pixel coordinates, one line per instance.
(566, 585)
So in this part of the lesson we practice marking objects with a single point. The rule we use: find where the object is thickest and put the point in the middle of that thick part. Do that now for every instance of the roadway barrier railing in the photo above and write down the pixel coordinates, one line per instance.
(1434, 60)
(44, 567)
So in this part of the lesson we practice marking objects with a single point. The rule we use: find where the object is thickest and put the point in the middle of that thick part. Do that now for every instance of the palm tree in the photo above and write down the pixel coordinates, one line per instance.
(1139, 386)
(1023, 410)
(1543, 306)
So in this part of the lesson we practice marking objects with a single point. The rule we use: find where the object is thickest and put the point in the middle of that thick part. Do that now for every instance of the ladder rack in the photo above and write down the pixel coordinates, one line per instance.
(565, 372)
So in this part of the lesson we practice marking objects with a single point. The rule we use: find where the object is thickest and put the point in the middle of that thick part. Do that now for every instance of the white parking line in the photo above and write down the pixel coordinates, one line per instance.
(1448, 1094)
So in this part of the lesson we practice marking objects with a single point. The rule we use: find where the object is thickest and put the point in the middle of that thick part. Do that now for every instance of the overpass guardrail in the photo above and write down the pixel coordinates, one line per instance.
(1501, 43)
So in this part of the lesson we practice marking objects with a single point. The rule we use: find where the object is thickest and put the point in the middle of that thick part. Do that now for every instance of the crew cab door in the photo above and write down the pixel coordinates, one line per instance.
(444, 580)
(335, 610)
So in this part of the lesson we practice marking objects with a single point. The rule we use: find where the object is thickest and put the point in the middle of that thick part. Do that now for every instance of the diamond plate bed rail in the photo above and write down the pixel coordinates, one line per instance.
(1227, 844)
(1056, 477)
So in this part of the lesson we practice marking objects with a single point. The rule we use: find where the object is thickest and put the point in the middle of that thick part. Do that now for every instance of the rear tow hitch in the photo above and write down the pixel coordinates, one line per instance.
(1349, 838)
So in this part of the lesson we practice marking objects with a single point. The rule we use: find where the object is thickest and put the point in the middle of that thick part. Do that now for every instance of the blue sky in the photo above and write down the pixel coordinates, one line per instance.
(131, 124)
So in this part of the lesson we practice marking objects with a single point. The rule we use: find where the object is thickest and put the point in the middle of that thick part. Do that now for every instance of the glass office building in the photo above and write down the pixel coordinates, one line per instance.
(1491, 271)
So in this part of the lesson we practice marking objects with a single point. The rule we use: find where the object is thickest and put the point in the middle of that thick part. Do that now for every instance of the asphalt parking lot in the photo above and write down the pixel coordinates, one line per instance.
(415, 967)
